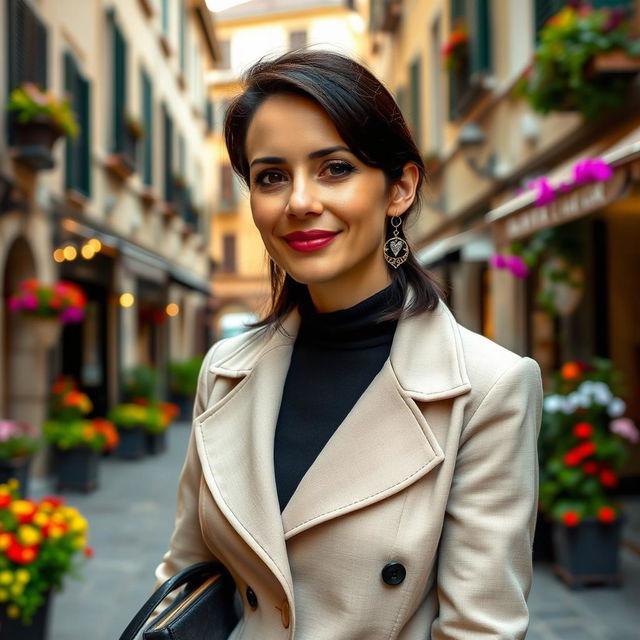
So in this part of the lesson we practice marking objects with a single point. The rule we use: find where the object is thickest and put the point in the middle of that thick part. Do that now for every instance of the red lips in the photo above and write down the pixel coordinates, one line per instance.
(311, 240)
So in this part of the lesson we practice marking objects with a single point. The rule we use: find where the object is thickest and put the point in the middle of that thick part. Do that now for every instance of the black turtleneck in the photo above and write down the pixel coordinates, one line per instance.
(335, 357)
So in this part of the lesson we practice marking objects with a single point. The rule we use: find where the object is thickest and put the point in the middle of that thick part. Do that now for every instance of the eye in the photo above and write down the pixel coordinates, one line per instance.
(339, 168)
(268, 178)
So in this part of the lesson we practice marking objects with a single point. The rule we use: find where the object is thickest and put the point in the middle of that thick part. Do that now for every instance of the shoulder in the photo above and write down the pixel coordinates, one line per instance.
(488, 363)
(236, 350)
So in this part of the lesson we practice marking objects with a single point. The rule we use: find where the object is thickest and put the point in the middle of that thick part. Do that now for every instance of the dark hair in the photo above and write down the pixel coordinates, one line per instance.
(367, 118)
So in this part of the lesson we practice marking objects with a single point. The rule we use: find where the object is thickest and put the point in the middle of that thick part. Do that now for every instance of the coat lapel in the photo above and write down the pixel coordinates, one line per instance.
(385, 444)
(235, 442)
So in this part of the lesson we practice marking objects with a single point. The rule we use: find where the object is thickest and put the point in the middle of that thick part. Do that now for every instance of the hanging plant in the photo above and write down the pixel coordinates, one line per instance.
(456, 49)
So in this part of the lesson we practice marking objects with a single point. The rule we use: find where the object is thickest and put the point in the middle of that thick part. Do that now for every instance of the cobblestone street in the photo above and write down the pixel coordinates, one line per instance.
(131, 518)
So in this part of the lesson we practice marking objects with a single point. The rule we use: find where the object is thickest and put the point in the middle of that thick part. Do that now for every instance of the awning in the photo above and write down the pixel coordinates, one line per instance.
(520, 216)
(473, 245)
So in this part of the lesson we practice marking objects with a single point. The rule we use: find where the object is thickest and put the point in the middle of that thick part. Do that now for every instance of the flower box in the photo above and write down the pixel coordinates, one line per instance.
(77, 469)
(618, 62)
(17, 468)
(156, 442)
(12, 628)
(588, 553)
(34, 142)
(119, 165)
(133, 443)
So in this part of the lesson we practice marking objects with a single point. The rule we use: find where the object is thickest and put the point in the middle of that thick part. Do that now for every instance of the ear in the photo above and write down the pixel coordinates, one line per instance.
(403, 190)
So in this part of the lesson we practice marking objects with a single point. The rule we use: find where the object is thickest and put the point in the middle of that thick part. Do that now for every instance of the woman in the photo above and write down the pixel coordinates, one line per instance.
(365, 467)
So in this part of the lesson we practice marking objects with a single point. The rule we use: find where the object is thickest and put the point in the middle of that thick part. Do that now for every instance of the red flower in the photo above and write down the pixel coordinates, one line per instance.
(88, 552)
(608, 478)
(571, 370)
(590, 468)
(21, 554)
(586, 449)
(572, 458)
(5, 500)
(571, 518)
(606, 514)
(583, 430)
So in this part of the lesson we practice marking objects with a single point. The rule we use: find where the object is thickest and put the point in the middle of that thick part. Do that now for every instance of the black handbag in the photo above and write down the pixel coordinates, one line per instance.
(202, 611)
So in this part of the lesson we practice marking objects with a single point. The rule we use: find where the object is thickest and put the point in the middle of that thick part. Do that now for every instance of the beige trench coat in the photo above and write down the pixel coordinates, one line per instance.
(435, 468)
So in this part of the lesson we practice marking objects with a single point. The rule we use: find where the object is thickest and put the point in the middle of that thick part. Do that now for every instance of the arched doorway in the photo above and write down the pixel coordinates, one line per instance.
(24, 378)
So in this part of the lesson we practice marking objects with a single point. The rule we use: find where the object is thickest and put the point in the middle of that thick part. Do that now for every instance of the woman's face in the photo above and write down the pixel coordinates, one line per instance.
(320, 211)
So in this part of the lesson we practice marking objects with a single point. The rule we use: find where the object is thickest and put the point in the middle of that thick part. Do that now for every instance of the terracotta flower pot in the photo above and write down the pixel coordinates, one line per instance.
(618, 62)
(45, 331)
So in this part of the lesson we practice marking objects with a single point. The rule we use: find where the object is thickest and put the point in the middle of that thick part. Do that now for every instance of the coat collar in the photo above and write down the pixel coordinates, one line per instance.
(426, 354)
(383, 445)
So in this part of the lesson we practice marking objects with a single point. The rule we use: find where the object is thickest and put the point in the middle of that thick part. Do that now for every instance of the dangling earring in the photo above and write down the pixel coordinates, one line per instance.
(396, 249)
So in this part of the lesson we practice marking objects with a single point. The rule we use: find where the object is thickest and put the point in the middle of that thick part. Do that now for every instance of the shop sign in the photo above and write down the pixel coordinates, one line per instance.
(579, 202)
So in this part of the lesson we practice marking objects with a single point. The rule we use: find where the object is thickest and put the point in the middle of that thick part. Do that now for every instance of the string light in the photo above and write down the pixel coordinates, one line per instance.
(172, 309)
(58, 255)
(70, 252)
(127, 300)
(87, 251)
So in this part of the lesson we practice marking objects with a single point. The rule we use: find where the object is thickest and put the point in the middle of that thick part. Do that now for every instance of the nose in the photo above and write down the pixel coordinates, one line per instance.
(303, 199)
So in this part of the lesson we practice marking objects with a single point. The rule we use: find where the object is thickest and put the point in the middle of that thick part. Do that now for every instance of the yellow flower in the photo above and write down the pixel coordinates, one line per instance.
(78, 525)
(41, 519)
(5, 541)
(79, 543)
(57, 517)
(56, 531)
(6, 577)
(13, 483)
(22, 576)
(28, 535)
(21, 507)
(69, 512)
(16, 589)
(13, 611)
(4, 595)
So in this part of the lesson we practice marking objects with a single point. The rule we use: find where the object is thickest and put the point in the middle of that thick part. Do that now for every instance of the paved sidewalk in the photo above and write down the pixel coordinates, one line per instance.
(131, 518)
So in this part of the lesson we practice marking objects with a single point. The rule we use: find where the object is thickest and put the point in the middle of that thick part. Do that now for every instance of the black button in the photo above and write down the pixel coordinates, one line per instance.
(394, 573)
(252, 599)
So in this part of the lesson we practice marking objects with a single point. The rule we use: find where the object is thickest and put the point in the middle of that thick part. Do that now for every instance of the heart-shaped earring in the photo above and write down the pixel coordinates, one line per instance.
(396, 249)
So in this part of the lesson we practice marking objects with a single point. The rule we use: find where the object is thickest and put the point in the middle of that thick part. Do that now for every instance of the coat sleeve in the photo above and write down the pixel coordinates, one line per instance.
(484, 569)
(187, 545)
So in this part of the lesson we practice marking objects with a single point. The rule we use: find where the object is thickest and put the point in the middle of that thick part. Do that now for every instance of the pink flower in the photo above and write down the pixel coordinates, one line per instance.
(517, 266)
(497, 261)
(591, 170)
(71, 314)
(565, 186)
(626, 428)
(15, 304)
(30, 302)
(8, 429)
(546, 192)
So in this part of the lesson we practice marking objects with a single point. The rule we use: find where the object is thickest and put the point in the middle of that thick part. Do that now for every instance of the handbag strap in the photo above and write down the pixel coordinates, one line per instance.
(201, 571)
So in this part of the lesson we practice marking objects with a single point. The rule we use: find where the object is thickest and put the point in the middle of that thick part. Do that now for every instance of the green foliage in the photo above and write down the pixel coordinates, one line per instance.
(183, 376)
(579, 454)
(70, 434)
(17, 439)
(560, 78)
(131, 416)
(29, 102)
(141, 382)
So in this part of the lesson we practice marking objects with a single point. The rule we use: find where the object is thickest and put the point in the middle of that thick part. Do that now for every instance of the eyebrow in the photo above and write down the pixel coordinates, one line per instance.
(314, 154)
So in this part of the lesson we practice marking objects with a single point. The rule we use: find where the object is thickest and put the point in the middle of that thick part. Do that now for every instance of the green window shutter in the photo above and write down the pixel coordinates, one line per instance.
(78, 150)
(457, 9)
(183, 38)
(168, 156)
(401, 99)
(147, 119)
(27, 41)
(544, 9)
(165, 16)
(119, 95)
(613, 4)
(209, 115)
(416, 107)
(480, 27)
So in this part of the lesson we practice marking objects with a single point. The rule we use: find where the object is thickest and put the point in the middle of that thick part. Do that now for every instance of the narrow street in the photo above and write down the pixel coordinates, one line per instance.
(131, 518)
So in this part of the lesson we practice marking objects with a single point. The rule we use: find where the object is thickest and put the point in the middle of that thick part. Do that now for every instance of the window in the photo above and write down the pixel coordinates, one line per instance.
(297, 39)
(401, 99)
(147, 123)
(416, 107)
(183, 38)
(28, 46)
(164, 16)
(167, 160)
(229, 253)
(120, 142)
(209, 115)
(465, 82)
(436, 89)
(227, 192)
(78, 150)
(225, 55)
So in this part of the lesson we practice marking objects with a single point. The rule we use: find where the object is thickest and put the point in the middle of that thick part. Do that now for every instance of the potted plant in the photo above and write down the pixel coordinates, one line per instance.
(39, 120)
(557, 81)
(131, 421)
(582, 450)
(40, 542)
(46, 306)
(183, 381)
(159, 417)
(78, 442)
(455, 51)
(134, 127)
(18, 442)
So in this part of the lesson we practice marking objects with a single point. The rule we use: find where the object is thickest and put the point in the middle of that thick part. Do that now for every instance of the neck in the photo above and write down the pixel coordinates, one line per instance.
(331, 296)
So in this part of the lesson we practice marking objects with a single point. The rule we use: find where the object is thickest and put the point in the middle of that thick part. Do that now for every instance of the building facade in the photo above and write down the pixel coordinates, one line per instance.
(122, 209)
(505, 178)
(247, 32)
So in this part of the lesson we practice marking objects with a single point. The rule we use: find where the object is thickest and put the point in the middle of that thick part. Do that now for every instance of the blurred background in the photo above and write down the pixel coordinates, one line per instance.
(127, 248)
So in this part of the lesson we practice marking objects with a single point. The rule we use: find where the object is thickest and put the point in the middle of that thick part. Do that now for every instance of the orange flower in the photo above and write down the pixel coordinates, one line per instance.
(5, 500)
(88, 432)
(571, 371)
